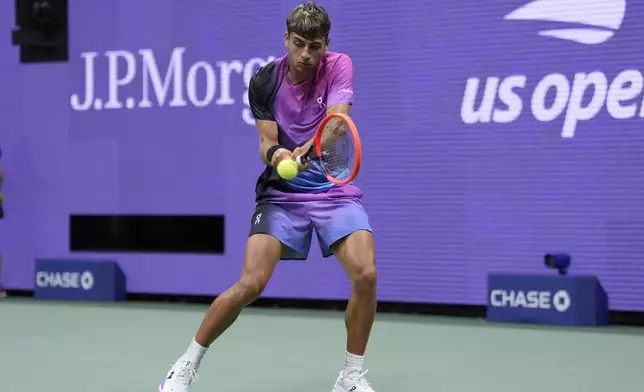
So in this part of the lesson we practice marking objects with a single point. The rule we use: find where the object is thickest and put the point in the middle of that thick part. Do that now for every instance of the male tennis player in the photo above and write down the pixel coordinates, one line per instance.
(289, 97)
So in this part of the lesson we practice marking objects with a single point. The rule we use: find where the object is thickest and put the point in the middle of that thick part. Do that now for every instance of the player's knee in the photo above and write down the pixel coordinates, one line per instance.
(252, 286)
(365, 277)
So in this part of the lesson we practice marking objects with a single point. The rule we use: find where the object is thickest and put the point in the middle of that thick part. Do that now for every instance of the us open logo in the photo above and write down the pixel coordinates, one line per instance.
(584, 22)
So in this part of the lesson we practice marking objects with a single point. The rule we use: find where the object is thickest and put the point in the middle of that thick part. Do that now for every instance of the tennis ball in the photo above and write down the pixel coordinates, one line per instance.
(287, 169)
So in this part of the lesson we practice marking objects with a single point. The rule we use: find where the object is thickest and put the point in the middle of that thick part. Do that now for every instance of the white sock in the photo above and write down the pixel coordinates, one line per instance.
(195, 352)
(352, 363)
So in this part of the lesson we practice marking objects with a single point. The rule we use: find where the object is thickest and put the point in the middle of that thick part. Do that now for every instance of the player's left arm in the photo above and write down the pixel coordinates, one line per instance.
(340, 93)
(339, 97)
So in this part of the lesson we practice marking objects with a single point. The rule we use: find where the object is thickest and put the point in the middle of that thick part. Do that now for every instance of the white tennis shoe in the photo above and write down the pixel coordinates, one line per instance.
(354, 382)
(181, 375)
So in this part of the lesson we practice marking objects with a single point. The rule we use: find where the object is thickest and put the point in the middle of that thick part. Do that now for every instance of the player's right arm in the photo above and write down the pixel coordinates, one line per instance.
(259, 93)
(267, 131)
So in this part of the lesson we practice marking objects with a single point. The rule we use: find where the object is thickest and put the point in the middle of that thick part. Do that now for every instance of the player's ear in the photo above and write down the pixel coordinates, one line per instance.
(286, 39)
(328, 41)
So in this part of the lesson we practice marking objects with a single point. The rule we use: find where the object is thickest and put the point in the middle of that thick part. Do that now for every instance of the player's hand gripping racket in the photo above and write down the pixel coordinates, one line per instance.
(336, 150)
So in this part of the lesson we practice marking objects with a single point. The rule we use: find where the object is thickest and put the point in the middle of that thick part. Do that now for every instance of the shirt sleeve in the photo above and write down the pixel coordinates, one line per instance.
(341, 87)
(259, 94)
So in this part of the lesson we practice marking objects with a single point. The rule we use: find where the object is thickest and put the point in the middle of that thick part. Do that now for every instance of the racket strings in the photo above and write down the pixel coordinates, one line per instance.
(338, 153)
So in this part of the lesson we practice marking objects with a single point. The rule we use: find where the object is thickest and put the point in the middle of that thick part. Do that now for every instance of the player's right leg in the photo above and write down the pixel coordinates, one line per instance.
(271, 228)
(262, 254)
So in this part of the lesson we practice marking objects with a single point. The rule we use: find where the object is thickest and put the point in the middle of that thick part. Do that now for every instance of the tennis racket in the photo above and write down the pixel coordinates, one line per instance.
(336, 151)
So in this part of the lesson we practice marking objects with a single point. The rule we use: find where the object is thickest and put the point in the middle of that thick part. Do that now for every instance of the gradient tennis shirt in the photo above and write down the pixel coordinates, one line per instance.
(298, 110)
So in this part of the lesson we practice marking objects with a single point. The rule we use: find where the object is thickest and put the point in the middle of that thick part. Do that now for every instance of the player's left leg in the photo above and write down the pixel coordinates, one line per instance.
(356, 252)
(343, 229)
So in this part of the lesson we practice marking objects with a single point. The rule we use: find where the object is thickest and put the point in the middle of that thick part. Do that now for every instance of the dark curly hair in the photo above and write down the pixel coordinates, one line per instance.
(309, 20)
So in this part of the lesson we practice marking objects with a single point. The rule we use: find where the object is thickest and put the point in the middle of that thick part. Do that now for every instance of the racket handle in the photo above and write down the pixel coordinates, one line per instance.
(301, 159)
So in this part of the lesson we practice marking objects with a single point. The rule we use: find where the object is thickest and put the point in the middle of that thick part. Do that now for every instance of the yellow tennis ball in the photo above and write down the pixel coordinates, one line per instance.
(287, 169)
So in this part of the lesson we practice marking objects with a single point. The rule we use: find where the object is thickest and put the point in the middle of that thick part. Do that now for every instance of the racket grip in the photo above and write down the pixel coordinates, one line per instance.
(301, 159)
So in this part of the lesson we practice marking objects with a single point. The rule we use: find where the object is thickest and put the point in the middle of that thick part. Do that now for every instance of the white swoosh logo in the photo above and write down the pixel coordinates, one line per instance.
(603, 17)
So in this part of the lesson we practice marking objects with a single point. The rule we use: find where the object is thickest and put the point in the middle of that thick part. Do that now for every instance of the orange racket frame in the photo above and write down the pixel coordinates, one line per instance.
(356, 140)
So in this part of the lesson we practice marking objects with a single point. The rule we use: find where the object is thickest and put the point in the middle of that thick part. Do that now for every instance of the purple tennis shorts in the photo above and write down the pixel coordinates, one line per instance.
(292, 222)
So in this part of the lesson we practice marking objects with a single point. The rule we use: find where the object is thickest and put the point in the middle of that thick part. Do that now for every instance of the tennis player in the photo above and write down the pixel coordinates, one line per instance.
(289, 97)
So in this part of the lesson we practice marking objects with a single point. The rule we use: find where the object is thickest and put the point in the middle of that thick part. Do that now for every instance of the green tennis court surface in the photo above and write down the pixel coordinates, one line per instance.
(69, 347)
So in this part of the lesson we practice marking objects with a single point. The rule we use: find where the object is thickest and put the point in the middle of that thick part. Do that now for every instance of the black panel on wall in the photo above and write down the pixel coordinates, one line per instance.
(201, 234)
(41, 31)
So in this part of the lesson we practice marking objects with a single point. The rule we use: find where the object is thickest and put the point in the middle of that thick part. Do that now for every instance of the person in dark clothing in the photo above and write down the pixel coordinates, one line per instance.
(2, 292)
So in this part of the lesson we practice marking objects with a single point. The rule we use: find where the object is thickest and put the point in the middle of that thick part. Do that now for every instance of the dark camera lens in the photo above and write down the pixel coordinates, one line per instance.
(43, 11)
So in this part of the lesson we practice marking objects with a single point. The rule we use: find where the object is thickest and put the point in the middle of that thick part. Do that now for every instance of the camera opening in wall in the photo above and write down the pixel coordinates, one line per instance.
(41, 31)
(558, 261)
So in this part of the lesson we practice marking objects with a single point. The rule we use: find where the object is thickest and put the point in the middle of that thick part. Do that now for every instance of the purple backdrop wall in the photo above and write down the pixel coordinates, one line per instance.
(476, 182)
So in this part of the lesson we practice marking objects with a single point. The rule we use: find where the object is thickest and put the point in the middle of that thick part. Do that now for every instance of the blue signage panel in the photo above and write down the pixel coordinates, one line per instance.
(82, 280)
(544, 299)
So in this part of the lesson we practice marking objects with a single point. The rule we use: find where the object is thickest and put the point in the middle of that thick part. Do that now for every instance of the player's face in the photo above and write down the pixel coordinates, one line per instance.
(303, 54)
